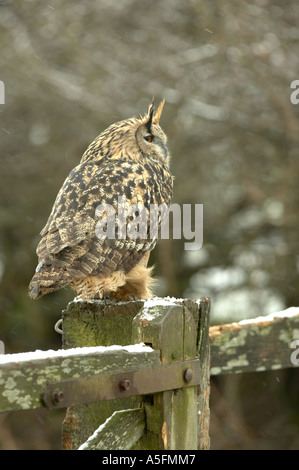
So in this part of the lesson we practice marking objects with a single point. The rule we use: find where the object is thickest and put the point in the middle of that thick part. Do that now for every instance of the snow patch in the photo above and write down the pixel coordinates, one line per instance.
(62, 353)
(85, 445)
(150, 304)
(289, 312)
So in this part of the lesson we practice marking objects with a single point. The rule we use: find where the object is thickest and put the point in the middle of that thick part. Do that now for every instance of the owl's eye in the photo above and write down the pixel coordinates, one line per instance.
(148, 138)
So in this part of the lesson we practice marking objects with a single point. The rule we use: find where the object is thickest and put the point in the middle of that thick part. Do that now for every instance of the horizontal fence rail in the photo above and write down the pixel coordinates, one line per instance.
(24, 377)
(259, 344)
(130, 383)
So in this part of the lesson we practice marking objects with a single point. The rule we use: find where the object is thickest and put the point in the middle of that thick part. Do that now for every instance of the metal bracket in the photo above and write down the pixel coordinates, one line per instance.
(124, 384)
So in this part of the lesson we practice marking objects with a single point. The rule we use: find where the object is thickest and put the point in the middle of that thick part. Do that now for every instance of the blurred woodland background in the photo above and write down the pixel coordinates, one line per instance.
(70, 69)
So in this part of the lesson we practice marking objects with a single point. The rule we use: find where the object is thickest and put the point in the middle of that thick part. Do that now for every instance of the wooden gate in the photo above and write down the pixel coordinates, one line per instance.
(132, 375)
(136, 375)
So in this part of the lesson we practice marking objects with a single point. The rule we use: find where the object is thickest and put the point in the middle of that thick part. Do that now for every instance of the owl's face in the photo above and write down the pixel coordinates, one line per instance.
(150, 138)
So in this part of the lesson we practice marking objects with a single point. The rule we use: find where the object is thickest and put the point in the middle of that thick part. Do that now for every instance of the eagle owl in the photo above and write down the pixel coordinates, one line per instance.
(129, 161)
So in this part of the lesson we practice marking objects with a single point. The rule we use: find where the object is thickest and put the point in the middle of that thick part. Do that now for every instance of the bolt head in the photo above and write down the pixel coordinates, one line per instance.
(188, 375)
(57, 396)
(125, 384)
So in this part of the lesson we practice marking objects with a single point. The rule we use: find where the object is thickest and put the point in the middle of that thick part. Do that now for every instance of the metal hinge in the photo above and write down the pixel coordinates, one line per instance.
(124, 384)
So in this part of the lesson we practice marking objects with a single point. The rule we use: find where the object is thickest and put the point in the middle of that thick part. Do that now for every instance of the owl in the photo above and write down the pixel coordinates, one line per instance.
(128, 163)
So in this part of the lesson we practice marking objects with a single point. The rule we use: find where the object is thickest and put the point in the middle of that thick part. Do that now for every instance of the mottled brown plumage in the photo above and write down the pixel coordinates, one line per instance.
(128, 159)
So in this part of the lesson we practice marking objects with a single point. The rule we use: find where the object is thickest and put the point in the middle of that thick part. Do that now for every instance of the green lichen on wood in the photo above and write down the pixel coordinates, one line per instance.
(23, 384)
(253, 345)
(98, 323)
(172, 329)
(172, 417)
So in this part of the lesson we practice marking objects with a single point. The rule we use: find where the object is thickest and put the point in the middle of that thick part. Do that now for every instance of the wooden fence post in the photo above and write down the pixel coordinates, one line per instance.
(203, 351)
(180, 333)
(175, 419)
(95, 323)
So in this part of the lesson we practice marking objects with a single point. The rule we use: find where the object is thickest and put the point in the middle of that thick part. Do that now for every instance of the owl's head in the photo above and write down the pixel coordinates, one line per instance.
(151, 139)
(134, 138)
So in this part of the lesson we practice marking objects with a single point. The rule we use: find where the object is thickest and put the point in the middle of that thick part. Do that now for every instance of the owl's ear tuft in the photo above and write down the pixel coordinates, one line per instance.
(150, 114)
(158, 112)
(154, 115)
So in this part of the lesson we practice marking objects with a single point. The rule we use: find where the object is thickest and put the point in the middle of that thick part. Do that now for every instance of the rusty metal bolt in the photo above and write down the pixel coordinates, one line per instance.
(57, 396)
(125, 384)
(188, 375)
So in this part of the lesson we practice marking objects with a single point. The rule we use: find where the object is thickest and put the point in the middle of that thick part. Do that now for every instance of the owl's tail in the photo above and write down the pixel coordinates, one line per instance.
(48, 279)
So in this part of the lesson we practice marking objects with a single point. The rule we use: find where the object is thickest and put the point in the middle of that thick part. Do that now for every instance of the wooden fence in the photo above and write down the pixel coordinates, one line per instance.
(135, 375)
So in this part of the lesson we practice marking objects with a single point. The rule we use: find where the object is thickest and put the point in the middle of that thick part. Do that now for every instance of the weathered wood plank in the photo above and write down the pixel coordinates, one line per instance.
(95, 323)
(203, 348)
(200, 310)
(171, 416)
(119, 432)
(24, 376)
(98, 323)
(259, 344)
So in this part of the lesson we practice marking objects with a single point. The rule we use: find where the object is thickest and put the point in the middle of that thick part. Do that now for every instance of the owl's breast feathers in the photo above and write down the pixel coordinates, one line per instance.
(69, 251)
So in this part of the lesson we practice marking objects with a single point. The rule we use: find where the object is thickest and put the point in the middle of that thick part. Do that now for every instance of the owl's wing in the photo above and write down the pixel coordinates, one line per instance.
(69, 240)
